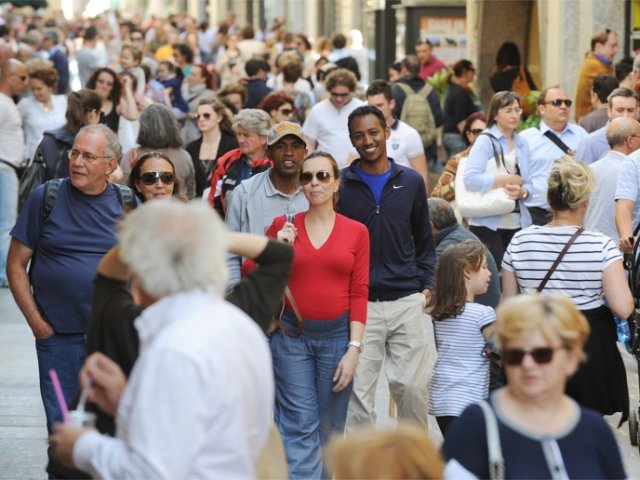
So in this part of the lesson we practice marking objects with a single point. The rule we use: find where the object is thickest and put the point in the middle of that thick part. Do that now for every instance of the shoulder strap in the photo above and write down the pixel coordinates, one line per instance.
(296, 311)
(126, 197)
(546, 278)
(555, 139)
(496, 460)
(499, 156)
(51, 189)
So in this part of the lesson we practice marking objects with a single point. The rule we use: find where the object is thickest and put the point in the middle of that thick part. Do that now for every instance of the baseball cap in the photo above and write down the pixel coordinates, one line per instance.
(283, 129)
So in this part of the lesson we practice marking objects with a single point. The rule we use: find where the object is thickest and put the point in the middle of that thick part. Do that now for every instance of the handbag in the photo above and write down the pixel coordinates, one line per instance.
(488, 204)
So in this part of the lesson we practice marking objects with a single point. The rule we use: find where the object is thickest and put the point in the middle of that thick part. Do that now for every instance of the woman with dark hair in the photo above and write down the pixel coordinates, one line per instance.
(117, 98)
(153, 177)
(444, 188)
(83, 108)
(279, 106)
(317, 347)
(217, 139)
(197, 87)
(159, 131)
(507, 68)
(183, 56)
(43, 110)
(501, 144)
(459, 103)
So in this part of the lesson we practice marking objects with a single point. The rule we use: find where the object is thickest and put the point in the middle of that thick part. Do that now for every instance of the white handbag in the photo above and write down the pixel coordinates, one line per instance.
(495, 201)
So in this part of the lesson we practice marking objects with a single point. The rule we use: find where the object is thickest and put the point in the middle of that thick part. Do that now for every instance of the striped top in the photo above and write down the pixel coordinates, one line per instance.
(461, 373)
(533, 250)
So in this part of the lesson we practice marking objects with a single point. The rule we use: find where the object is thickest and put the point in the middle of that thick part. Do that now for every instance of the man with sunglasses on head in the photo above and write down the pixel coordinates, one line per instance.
(326, 125)
(254, 203)
(391, 200)
(63, 243)
(554, 138)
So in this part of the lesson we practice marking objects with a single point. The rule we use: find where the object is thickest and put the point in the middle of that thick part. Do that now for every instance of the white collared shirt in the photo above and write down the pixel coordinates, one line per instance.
(199, 400)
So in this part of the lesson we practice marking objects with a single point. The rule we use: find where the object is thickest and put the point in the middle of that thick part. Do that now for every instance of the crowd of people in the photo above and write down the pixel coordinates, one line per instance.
(221, 237)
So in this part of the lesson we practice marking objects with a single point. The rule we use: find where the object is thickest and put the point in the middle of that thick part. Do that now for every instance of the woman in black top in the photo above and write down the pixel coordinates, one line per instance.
(507, 68)
(117, 98)
(216, 140)
(458, 105)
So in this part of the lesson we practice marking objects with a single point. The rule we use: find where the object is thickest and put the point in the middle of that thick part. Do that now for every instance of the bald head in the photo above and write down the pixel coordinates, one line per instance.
(13, 80)
(623, 135)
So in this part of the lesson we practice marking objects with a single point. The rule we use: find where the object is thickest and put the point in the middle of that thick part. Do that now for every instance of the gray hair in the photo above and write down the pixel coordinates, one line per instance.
(159, 128)
(441, 213)
(621, 92)
(620, 129)
(165, 263)
(113, 148)
(254, 120)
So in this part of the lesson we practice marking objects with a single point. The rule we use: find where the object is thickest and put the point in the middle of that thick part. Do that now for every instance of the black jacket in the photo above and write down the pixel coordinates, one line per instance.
(227, 143)
(403, 257)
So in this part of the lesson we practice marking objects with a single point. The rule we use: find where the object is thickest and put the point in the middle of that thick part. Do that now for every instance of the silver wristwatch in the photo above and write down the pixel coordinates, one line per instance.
(357, 344)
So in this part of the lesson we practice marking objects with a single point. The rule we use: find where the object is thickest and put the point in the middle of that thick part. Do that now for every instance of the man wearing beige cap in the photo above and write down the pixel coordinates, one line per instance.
(254, 203)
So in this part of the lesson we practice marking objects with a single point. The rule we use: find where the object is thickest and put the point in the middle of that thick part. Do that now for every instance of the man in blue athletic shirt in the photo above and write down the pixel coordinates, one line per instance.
(391, 200)
(63, 248)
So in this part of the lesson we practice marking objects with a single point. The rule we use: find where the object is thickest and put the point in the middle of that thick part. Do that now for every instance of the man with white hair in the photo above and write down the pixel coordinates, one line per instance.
(198, 403)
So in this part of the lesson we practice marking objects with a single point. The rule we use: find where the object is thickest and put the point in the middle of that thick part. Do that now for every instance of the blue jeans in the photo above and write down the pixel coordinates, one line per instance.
(8, 214)
(454, 143)
(65, 354)
(307, 412)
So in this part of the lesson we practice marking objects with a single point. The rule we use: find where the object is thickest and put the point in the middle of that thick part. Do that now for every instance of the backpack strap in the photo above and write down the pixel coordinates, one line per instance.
(51, 189)
(496, 460)
(126, 197)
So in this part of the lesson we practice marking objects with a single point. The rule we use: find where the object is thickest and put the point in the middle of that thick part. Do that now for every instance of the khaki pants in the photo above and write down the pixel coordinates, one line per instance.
(396, 334)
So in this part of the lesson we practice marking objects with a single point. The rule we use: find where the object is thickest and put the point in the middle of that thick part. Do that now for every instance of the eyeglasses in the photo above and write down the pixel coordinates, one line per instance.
(322, 176)
(559, 101)
(150, 178)
(137, 39)
(509, 111)
(89, 157)
(286, 111)
(340, 95)
(476, 131)
(541, 355)
(206, 116)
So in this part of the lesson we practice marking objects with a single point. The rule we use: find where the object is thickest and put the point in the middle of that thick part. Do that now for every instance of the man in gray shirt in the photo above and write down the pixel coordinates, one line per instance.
(255, 202)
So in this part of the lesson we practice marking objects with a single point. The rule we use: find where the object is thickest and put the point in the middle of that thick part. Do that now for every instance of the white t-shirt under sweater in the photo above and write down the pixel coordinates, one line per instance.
(533, 251)
(461, 373)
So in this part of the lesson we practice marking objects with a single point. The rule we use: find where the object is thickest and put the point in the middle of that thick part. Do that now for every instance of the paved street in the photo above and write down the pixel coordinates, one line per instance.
(22, 431)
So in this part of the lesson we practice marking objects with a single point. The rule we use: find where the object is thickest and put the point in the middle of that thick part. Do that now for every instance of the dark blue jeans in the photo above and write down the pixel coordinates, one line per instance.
(65, 354)
(307, 412)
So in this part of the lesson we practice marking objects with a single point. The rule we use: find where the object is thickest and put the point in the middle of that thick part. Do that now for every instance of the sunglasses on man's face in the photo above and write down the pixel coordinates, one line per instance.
(559, 101)
(322, 176)
(541, 355)
(150, 178)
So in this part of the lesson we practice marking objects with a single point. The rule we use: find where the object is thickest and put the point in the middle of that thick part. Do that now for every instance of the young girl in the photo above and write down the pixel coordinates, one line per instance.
(171, 78)
(461, 374)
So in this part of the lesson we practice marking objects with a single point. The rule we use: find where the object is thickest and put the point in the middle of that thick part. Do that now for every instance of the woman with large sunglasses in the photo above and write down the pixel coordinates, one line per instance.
(153, 177)
(315, 356)
(541, 431)
(590, 273)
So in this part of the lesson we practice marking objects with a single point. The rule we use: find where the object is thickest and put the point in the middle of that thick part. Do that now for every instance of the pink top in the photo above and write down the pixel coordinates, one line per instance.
(330, 280)
(432, 66)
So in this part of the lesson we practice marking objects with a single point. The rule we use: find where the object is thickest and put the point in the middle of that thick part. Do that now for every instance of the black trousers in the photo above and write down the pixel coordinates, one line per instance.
(496, 241)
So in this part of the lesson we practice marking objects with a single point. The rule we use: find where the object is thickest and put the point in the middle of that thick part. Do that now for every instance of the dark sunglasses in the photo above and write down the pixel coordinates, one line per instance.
(150, 178)
(541, 355)
(286, 111)
(206, 116)
(340, 95)
(559, 101)
(322, 176)
(476, 131)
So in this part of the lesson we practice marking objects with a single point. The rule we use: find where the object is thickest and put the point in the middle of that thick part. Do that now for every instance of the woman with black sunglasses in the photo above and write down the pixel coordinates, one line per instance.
(317, 347)
(541, 431)
(589, 272)
(153, 177)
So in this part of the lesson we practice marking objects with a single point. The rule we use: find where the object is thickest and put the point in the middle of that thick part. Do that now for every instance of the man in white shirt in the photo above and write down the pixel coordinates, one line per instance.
(199, 401)
(326, 126)
(623, 135)
(554, 138)
(404, 145)
(13, 81)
